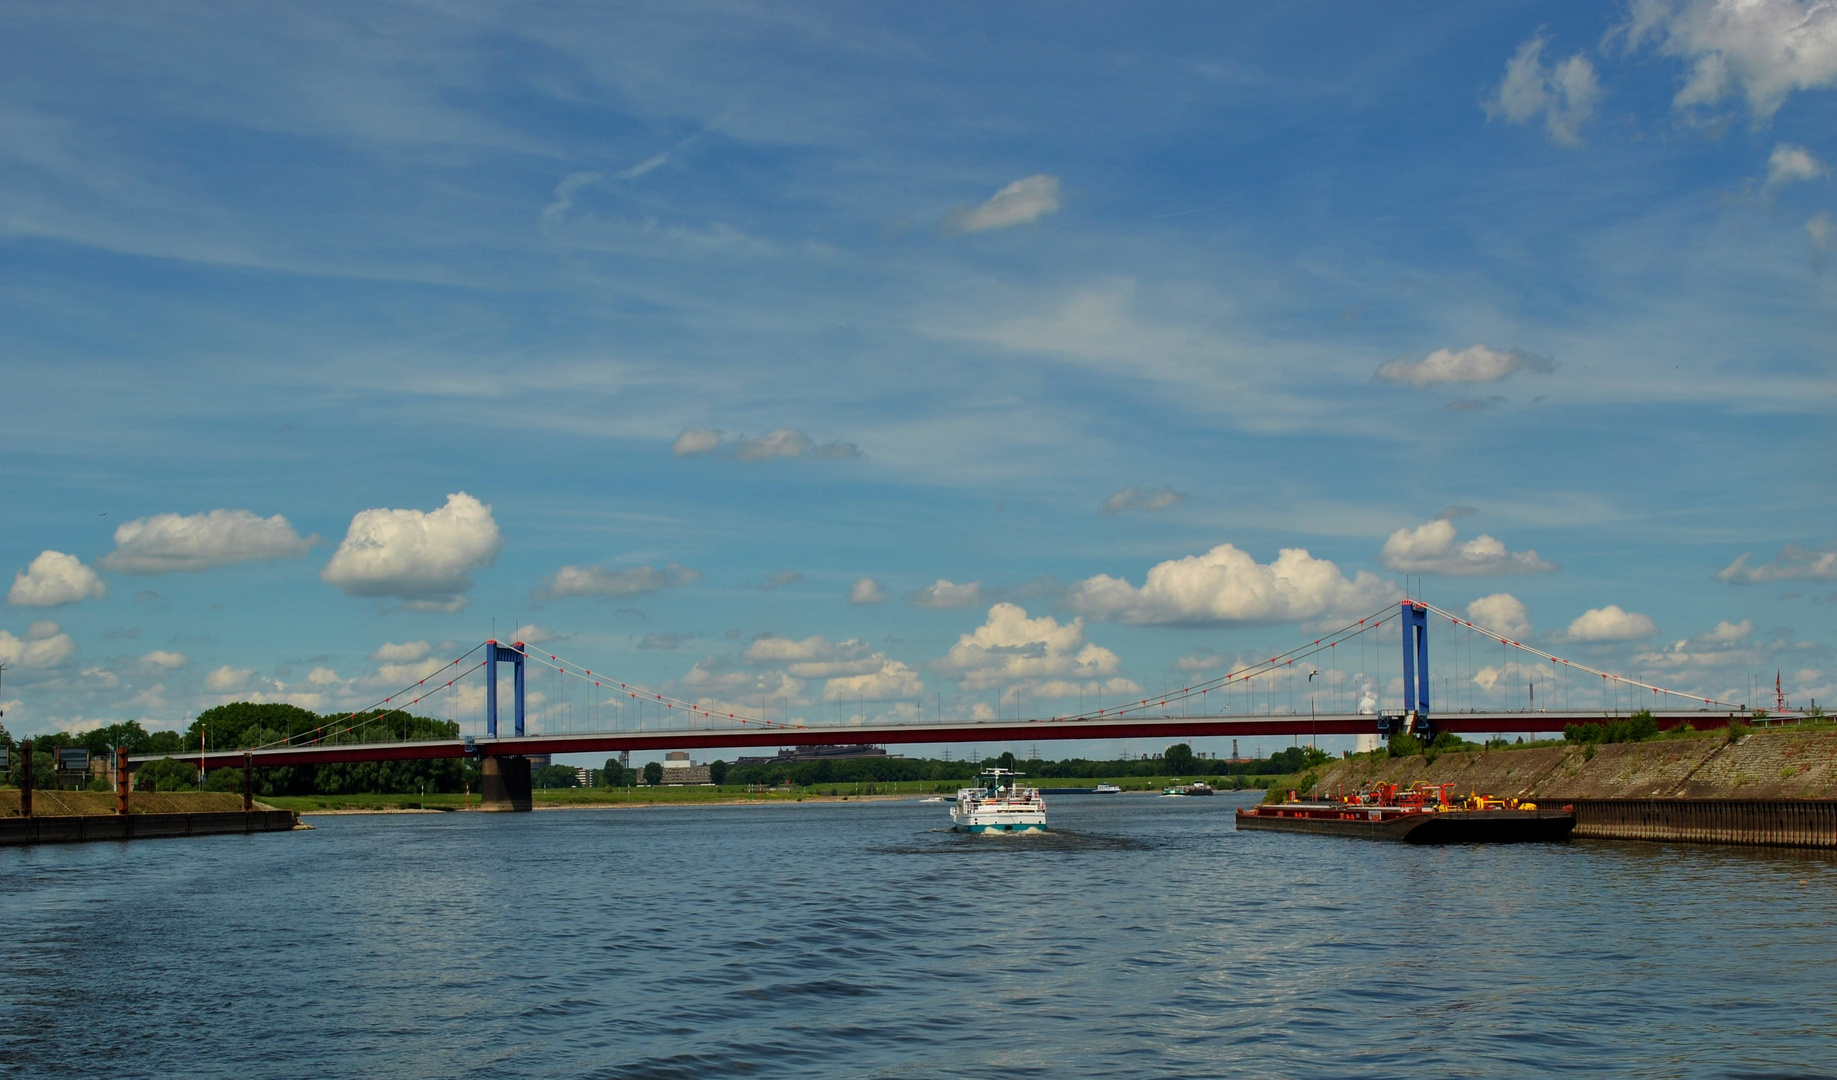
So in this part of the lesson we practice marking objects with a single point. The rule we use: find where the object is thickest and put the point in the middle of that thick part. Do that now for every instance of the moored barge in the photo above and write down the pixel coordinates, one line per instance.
(1420, 815)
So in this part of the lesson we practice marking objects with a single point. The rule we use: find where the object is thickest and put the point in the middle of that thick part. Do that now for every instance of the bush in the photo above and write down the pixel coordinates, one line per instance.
(1636, 728)
(1403, 744)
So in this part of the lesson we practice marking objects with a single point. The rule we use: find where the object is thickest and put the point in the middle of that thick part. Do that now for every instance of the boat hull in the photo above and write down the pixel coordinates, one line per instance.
(1014, 827)
(1446, 827)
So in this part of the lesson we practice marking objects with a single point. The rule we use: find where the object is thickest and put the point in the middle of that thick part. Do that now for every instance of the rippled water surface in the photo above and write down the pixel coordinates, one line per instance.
(1145, 937)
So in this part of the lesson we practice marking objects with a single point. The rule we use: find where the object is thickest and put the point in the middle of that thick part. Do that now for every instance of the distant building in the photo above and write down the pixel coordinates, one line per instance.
(586, 776)
(797, 754)
(679, 770)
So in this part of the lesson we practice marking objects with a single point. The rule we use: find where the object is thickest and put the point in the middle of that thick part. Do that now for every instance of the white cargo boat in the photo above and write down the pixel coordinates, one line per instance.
(998, 804)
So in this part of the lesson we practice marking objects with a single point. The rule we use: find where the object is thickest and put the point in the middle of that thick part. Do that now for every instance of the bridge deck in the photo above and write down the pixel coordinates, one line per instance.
(1007, 731)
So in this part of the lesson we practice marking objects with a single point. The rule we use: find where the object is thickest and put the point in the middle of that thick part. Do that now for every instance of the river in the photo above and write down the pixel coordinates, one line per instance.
(1144, 937)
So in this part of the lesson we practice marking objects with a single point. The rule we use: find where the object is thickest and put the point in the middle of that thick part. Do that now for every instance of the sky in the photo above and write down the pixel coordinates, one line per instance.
(850, 362)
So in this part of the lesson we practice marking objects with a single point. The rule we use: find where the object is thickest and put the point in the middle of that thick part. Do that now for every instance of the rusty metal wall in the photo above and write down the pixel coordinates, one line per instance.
(1758, 822)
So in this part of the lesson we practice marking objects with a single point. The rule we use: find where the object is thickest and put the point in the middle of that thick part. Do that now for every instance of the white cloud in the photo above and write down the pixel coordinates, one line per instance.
(1764, 49)
(1611, 624)
(167, 542)
(55, 578)
(1474, 364)
(1228, 585)
(1010, 647)
(44, 646)
(403, 652)
(947, 594)
(780, 579)
(1021, 203)
(1196, 662)
(1502, 613)
(161, 658)
(1134, 498)
(1794, 563)
(891, 680)
(696, 441)
(816, 657)
(1791, 164)
(1430, 548)
(1565, 94)
(323, 676)
(531, 634)
(227, 679)
(425, 558)
(777, 650)
(776, 445)
(599, 581)
(867, 591)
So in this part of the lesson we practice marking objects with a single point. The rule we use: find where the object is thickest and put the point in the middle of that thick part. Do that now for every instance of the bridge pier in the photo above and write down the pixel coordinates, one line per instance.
(504, 787)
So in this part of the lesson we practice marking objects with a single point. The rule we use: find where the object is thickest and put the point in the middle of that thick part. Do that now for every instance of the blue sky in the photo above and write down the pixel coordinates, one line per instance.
(661, 328)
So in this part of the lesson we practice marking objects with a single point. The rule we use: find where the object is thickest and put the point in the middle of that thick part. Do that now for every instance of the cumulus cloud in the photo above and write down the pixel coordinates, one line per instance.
(1430, 548)
(1503, 614)
(161, 658)
(1761, 49)
(164, 543)
(55, 578)
(424, 557)
(947, 594)
(45, 645)
(890, 680)
(531, 634)
(1021, 203)
(1791, 164)
(1474, 364)
(1227, 585)
(618, 584)
(406, 652)
(1795, 562)
(1134, 498)
(776, 445)
(1611, 624)
(867, 591)
(1564, 94)
(227, 679)
(816, 657)
(1010, 647)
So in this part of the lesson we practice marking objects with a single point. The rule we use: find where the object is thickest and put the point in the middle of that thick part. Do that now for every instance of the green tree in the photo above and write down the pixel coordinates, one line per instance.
(1006, 760)
(653, 773)
(1179, 759)
(615, 775)
(717, 771)
(168, 774)
(554, 776)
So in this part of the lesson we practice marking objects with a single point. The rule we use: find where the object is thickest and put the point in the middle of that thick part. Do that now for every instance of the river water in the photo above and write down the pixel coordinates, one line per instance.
(1145, 937)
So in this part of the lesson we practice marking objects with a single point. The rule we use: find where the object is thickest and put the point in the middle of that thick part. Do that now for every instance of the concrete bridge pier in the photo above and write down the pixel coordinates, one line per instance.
(504, 786)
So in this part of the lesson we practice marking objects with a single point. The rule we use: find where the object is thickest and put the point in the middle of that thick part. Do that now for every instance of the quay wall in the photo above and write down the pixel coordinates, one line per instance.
(76, 828)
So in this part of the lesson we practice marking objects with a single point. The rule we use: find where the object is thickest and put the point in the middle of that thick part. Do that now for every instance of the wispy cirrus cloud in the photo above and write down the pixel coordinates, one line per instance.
(1795, 562)
(1474, 364)
(606, 583)
(1023, 202)
(779, 444)
(1564, 94)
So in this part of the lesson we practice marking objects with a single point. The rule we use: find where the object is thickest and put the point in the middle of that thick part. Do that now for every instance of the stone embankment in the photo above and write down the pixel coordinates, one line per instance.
(76, 816)
(1775, 788)
(1760, 765)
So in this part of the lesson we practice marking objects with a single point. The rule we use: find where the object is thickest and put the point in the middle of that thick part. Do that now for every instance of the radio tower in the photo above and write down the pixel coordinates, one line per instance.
(1779, 695)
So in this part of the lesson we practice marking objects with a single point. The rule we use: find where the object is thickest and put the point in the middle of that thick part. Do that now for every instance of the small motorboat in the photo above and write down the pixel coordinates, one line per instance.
(1106, 789)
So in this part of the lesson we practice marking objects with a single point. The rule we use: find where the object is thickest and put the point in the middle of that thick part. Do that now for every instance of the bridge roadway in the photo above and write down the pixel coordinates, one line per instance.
(1005, 731)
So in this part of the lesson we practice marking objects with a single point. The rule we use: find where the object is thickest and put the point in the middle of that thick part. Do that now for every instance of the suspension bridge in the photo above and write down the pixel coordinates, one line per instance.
(1257, 698)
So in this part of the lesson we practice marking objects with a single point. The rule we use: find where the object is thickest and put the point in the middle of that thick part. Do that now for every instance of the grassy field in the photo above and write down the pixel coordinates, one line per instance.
(671, 796)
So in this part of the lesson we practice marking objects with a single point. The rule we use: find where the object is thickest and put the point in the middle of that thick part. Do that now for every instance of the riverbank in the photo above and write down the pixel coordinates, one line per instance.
(1780, 764)
(730, 795)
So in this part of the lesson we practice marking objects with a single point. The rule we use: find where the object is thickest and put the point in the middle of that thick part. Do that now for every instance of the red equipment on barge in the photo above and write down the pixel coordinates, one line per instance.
(1420, 814)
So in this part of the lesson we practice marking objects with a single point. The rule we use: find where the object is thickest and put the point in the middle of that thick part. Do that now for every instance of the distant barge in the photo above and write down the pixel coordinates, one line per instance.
(1421, 815)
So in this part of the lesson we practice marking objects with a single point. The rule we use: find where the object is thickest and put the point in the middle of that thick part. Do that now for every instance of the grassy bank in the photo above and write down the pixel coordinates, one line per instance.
(47, 803)
(674, 796)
